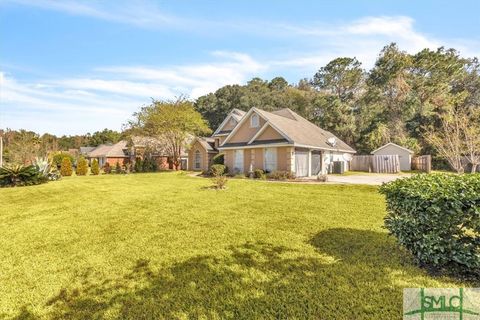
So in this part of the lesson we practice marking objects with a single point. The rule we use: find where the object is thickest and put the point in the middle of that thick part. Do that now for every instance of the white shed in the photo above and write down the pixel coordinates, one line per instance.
(404, 154)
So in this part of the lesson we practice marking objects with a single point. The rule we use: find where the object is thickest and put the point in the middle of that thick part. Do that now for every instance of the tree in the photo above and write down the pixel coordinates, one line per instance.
(471, 129)
(66, 167)
(82, 167)
(95, 170)
(452, 137)
(103, 137)
(24, 146)
(170, 121)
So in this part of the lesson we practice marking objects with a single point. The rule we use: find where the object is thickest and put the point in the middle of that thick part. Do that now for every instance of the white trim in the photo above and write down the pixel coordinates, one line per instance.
(220, 134)
(229, 115)
(322, 148)
(259, 132)
(269, 145)
(240, 123)
(392, 144)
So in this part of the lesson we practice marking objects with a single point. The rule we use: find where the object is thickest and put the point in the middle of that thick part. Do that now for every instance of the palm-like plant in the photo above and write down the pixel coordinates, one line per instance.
(15, 175)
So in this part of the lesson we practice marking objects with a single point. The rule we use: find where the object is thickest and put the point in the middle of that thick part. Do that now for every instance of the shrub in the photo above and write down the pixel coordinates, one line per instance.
(18, 175)
(95, 169)
(106, 168)
(437, 218)
(118, 168)
(217, 170)
(258, 174)
(58, 158)
(45, 170)
(322, 178)
(219, 159)
(220, 181)
(82, 167)
(66, 167)
(138, 165)
(281, 175)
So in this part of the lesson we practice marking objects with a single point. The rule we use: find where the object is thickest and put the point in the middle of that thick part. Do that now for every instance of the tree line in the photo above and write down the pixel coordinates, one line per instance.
(404, 98)
(428, 102)
(22, 146)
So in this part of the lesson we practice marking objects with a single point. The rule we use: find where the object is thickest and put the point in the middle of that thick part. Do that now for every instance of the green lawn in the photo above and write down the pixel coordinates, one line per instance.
(151, 246)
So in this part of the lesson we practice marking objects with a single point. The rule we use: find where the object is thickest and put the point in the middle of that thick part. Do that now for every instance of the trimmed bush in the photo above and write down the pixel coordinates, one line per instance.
(138, 165)
(437, 218)
(95, 169)
(258, 174)
(281, 175)
(217, 170)
(219, 159)
(106, 168)
(66, 167)
(58, 158)
(82, 167)
(118, 168)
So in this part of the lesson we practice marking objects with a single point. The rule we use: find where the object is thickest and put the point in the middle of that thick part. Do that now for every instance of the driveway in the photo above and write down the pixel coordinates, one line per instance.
(367, 178)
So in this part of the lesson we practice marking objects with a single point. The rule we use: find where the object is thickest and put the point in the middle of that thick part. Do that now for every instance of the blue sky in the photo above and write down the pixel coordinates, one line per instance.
(71, 67)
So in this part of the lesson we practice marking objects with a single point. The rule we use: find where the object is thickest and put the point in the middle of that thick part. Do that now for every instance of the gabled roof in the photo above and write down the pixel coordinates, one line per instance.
(394, 145)
(236, 114)
(296, 130)
(117, 150)
(207, 143)
(86, 150)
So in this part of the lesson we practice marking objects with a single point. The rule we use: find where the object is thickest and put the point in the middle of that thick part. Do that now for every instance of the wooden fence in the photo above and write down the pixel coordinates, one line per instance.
(376, 163)
(422, 163)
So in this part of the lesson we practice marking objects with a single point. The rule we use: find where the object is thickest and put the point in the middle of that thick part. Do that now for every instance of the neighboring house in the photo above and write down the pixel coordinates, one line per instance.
(110, 153)
(139, 147)
(277, 141)
(404, 154)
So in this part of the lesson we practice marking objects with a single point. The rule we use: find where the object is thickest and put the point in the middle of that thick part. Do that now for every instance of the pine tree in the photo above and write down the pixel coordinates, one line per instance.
(82, 167)
(95, 167)
(66, 167)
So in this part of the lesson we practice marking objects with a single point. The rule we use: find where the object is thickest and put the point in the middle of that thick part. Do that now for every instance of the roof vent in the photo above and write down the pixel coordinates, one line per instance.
(332, 141)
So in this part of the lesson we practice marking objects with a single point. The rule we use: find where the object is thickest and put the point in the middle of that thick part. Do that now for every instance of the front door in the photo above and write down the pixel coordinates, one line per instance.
(316, 162)
(301, 163)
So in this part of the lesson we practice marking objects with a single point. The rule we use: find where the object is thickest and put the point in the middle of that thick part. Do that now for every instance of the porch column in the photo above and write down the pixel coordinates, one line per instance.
(322, 163)
(291, 159)
(309, 162)
(252, 160)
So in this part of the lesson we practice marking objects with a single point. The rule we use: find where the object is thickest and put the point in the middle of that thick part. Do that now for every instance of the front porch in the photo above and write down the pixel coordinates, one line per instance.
(304, 162)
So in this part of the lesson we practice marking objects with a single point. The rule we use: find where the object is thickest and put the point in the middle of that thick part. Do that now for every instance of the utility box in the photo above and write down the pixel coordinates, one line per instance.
(339, 167)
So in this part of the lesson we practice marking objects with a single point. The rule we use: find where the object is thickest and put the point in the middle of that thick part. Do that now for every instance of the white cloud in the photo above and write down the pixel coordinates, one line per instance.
(110, 95)
(138, 13)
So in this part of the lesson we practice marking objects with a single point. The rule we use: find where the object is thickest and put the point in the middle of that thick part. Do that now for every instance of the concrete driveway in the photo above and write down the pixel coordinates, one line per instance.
(366, 178)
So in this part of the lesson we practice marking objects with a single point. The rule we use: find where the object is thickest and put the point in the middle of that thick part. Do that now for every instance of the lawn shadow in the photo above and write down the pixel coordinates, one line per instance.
(353, 276)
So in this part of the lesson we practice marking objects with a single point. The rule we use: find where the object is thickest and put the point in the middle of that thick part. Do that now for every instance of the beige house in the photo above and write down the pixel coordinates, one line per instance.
(277, 141)
(404, 154)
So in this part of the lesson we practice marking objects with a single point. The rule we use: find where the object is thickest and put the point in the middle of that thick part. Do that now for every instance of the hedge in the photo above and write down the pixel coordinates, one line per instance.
(437, 218)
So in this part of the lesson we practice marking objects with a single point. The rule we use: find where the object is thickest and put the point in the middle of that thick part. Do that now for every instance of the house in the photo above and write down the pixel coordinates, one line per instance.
(404, 154)
(273, 141)
(140, 147)
(110, 153)
(203, 149)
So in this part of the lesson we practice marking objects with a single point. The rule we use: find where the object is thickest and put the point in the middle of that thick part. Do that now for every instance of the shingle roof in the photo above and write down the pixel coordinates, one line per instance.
(394, 145)
(116, 150)
(207, 143)
(238, 114)
(86, 150)
(301, 131)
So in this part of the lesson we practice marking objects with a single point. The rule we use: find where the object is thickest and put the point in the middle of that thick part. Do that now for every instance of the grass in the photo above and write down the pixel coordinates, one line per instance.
(164, 245)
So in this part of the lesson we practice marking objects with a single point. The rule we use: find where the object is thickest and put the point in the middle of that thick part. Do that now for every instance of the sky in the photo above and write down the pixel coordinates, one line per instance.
(72, 67)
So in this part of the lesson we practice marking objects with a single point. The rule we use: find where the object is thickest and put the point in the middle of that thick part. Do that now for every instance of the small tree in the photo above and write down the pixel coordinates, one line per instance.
(66, 167)
(95, 170)
(138, 165)
(82, 167)
(172, 122)
(118, 167)
(107, 169)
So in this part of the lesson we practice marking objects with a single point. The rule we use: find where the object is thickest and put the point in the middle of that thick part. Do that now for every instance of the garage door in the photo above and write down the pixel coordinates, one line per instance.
(301, 164)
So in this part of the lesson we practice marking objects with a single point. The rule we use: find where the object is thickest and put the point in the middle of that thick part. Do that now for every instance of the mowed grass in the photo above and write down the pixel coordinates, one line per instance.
(164, 245)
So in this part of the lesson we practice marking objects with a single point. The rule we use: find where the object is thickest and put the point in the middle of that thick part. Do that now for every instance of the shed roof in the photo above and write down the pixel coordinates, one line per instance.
(394, 145)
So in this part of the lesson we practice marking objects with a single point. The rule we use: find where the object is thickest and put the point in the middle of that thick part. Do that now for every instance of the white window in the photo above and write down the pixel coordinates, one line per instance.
(254, 121)
(270, 159)
(238, 161)
(197, 163)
